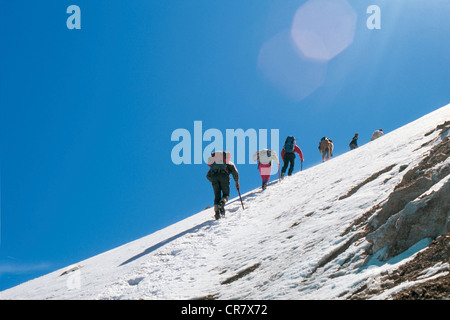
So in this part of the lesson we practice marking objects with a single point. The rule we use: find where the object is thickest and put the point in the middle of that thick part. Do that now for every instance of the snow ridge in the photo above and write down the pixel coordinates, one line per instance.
(316, 235)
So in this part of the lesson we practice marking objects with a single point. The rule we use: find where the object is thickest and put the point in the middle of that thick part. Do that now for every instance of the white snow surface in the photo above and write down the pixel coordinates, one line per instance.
(285, 233)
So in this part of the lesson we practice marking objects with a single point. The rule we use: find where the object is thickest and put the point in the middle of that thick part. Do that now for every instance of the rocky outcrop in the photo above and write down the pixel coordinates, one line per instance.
(419, 206)
(428, 273)
(426, 217)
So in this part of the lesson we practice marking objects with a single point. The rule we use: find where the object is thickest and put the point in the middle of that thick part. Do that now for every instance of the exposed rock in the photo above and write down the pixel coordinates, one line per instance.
(415, 182)
(369, 179)
(241, 274)
(436, 287)
(427, 217)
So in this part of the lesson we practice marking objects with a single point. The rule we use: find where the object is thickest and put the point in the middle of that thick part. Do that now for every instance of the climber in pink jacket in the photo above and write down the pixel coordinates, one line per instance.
(264, 158)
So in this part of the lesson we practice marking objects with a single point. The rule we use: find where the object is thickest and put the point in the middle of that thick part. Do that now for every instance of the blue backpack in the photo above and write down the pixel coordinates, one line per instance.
(289, 144)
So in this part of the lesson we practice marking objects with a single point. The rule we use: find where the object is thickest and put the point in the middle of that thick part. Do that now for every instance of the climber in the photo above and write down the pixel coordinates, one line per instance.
(219, 175)
(326, 147)
(264, 158)
(288, 155)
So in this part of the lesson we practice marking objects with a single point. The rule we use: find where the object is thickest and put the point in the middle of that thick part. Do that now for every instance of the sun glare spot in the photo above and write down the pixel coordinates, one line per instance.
(322, 29)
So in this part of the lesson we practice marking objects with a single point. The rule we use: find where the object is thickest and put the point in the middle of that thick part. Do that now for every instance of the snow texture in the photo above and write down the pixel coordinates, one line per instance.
(298, 239)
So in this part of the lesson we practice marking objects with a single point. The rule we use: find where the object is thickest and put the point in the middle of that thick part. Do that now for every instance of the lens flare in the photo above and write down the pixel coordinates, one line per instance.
(322, 29)
(288, 69)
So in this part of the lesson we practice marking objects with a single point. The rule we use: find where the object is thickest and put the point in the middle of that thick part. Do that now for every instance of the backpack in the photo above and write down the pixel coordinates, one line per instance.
(289, 144)
(320, 142)
(218, 161)
(264, 156)
(327, 141)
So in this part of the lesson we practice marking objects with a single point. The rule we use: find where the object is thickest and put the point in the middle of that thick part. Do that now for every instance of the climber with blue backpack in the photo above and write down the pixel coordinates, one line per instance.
(219, 175)
(288, 155)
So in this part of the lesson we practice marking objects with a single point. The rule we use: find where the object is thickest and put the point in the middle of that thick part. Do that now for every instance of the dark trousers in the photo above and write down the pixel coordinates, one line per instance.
(221, 186)
(288, 159)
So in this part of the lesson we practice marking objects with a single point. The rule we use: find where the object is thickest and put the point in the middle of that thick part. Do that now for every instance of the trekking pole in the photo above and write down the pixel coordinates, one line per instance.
(240, 198)
(279, 177)
(301, 165)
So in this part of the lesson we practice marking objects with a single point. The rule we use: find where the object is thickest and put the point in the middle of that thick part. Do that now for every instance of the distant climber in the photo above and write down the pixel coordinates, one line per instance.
(326, 147)
(378, 133)
(219, 175)
(354, 143)
(288, 155)
(264, 159)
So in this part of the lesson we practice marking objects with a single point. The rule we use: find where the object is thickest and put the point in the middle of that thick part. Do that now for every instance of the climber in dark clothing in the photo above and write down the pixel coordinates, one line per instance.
(288, 155)
(354, 143)
(219, 175)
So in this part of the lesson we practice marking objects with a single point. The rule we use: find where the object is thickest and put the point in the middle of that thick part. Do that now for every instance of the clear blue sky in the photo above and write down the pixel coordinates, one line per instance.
(87, 115)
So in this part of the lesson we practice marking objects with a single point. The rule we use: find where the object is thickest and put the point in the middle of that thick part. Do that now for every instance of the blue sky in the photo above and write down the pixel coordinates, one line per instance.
(87, 115)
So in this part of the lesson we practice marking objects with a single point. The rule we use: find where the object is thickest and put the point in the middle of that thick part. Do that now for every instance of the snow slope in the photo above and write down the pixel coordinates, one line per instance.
(292, 241)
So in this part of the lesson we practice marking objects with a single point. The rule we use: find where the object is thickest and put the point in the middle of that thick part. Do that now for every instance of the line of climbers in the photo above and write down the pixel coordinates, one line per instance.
(326, 145)
(221, 167)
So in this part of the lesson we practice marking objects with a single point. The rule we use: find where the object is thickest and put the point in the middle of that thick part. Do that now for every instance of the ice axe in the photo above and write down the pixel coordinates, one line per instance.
(240, 198)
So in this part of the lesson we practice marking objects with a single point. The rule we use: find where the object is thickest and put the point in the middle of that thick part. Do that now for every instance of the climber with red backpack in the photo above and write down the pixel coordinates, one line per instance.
(219, 175)
(288, 155)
